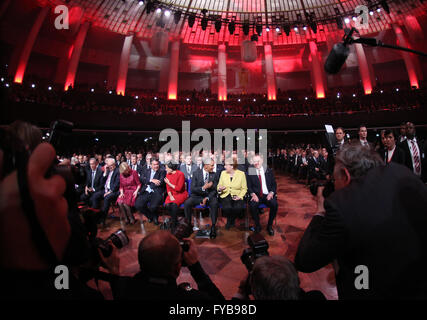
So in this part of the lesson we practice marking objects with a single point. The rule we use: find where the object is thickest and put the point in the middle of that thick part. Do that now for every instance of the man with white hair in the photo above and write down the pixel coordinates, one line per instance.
(262, 189)
(110, 190)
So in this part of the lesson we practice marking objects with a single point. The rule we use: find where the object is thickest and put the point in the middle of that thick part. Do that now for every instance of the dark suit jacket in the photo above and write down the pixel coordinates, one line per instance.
(183, 169)
(97, 183)
(139, 169)
(254, 185)
(379, 222)
(408, 157)
(312, 165)
(115, 181)
(399, 156)
(197, 182)
(145, 181)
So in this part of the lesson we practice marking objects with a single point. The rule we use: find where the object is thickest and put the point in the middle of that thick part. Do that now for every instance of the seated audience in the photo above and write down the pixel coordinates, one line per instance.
(232, 189)
(93, 181)
(109, 190)
(176, 191)
(204, 192)
(262, 189)
(129, 188)
(152, 191)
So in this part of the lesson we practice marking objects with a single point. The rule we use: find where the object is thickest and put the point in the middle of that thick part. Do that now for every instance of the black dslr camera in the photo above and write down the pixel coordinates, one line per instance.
(258, 247)
(119, 239)
(183, 230)
(327, 183)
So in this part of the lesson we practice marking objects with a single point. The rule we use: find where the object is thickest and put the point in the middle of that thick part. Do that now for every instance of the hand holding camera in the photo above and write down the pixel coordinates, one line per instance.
(191, 256)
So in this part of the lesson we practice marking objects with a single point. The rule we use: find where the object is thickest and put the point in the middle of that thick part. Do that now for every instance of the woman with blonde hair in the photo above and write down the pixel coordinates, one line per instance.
(129, 187)
(232, 188)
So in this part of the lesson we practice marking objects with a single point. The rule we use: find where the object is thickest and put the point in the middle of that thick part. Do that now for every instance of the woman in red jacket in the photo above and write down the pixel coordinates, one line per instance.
(175, 187)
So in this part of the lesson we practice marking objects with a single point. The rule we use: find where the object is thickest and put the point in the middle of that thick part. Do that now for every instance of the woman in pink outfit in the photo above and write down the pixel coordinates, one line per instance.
(129, 187)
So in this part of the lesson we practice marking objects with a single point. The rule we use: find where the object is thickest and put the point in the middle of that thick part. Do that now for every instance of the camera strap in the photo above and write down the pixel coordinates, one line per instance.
(37, 233)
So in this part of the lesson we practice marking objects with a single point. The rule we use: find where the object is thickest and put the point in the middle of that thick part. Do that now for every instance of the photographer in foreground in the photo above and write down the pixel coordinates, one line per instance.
(35, 231)
(161, 257)
(375, 221)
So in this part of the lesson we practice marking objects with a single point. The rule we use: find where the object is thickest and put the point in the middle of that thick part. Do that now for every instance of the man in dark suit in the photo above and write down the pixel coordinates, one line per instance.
(302, 164)
(151, 196)
(134, 165)
(363, 135)
(314, 167)
(109, 187)
(414, 152)
(203, 192)
(94, 177)
(372, 228)
(262, 189)
(392, 152)
(188, 168)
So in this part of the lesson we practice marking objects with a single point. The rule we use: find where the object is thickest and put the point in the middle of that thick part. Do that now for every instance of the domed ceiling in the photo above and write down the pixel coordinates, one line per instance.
(209, 22)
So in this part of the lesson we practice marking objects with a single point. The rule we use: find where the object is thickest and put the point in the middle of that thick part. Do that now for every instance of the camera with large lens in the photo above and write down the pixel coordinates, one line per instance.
(258, 247)
(183, 230)
(327, 183)
(119, 239)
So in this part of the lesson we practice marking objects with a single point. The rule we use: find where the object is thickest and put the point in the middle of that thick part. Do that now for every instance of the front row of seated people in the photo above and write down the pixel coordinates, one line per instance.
(211, 186)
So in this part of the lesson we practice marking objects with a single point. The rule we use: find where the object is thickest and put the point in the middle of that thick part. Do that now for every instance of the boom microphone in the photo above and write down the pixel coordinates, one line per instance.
(339, 54)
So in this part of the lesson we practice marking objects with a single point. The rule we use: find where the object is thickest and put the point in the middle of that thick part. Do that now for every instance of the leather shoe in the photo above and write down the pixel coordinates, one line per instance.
(270, 231)
(212, 234)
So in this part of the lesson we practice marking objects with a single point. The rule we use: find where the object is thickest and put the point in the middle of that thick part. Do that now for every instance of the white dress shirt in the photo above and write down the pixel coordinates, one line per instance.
(261, 173)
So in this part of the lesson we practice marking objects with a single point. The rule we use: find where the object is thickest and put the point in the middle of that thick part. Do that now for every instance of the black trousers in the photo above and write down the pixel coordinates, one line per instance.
(231, 208)
(272, 204)
(173, 210)
(149, 203)
(108, 201)
(193, 201)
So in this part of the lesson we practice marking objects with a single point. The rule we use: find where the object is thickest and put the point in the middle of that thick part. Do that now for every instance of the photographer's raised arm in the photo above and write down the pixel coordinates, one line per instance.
(322, 241)
(204, 282)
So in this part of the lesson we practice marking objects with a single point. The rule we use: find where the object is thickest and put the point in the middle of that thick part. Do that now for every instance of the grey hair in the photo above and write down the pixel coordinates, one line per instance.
(358, 159)
(274, 278)
(207, 160)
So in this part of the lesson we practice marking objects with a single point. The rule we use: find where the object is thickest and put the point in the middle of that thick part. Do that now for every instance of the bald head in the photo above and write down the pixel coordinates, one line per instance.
(159, 254)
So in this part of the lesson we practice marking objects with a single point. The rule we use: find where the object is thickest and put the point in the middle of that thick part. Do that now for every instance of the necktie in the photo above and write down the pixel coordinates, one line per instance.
(260, 183)
(188, 170)
(93, 178)
(206, 177)
(417, 165)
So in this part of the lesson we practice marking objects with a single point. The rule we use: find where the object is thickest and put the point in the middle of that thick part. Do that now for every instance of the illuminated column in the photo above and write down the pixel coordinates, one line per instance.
(222, 73)
(269, 70)
(364, 68)
(75, 55)
(124, 65)
(173, 73)
(407, 57)
(317, 71)
(28, 46)
(414, 29)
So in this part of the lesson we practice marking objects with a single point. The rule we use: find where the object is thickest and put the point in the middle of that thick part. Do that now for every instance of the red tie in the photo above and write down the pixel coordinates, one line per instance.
(416, 157)
(260, 184)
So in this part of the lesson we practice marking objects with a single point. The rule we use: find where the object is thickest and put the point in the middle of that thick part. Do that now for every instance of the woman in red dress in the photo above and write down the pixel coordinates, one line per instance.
(175, 187)
(129, 187)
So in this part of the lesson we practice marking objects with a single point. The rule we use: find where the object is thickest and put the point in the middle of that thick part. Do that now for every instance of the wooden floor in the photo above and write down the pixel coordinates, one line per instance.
(221, 257)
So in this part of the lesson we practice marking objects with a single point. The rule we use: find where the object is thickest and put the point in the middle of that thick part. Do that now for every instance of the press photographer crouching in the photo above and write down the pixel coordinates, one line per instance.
(270, 277)
(161, 257)
(372, 228)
